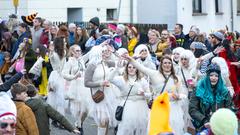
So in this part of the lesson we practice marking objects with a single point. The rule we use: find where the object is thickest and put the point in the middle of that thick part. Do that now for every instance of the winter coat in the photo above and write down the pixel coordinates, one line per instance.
(131, 46)
(26, 122)
(7, 85)
(43, 112)
(160, 48)
(187, 42)
(19, 41)
(180, 39)
(202, 114)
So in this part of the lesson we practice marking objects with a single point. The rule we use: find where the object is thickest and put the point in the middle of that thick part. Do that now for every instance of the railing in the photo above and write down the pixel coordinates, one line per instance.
(142, 28)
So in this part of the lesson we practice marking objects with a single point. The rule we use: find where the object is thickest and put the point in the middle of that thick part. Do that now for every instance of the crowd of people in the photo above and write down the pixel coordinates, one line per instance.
(47, 70)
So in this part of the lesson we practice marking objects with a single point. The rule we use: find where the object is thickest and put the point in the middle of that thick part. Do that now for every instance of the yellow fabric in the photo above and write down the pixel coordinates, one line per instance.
(160, 48)
(44, 82)
(159, 115)
(132, 43)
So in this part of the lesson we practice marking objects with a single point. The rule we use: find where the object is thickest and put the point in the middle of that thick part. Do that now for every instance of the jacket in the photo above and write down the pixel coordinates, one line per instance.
(7, 85)
(43, 112)
(202, 114)
(160, 48)
(26, 122)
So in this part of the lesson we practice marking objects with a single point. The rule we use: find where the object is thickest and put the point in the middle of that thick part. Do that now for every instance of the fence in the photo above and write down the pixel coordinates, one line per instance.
(142, 28)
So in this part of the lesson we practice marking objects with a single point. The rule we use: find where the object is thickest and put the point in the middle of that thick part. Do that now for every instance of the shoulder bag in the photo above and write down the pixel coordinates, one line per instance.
(119, 110)
(99, 95)
(151, 101)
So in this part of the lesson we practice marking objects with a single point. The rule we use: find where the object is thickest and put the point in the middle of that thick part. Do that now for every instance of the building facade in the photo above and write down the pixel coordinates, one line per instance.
(208, 15)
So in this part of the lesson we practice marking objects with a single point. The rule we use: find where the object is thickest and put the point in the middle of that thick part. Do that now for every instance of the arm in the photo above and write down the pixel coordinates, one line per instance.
(116, 80)
(194, 107)
(55, 115)
(29, 122)
(151, 73)
(88, 82)
(7, 85)
(66, 71)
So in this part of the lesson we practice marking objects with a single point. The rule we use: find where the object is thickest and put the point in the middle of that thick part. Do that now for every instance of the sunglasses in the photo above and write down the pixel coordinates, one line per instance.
(5, 125)
(78, 50)
(184, 59)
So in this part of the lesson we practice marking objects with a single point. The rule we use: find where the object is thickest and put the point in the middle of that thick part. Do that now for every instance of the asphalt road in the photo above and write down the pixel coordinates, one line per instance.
(89, 126)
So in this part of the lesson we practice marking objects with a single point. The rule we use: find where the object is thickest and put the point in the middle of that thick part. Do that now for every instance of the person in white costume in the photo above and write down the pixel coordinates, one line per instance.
(96, 78)
(57, 56)
(176, 57)
(132, 122)
(144, 57)
(78, 94)
(224, 73)
(187, 64)
(173, 87)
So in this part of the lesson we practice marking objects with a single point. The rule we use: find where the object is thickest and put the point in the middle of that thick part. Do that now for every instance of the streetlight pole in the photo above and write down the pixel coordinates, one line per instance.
(15, 4)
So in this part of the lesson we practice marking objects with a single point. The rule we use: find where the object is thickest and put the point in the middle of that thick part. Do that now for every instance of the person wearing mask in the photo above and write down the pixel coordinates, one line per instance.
(179, 35)
(43, 112)
(26, 122)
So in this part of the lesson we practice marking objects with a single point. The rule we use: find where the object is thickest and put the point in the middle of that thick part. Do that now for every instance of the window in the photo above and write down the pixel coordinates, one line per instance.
(197, 6)
(111, 14)
(218, 7)
(238, 6)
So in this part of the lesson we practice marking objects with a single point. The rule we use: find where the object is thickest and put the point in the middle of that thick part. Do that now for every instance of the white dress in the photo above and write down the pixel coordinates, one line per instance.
(133, 122)
(176, 111)
(56, 97)
(77, 92)
(103, 111)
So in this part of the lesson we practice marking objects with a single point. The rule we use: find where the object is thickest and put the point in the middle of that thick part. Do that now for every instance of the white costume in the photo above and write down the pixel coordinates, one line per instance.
(79, 95)
(157, 81)
(96, 72)
(132, 122)
(56, 83)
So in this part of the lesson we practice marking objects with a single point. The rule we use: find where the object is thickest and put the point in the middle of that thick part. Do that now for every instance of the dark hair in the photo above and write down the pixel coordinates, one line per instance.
(230, 54)
(172, 69)
(125, 76)
(24, 25)
(39, 20)
(59, 46)
(17, 88)
(180, 25)
(42, 50)
(31, 90)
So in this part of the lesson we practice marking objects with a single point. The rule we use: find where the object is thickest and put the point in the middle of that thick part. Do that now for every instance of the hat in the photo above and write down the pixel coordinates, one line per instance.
(224, 122)
(29, 19)
(112, 26)
(218, 35)
(198, 45)
(213, 68)
(121, 27)
(95, 21)
(7, 108)
(160, 125)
